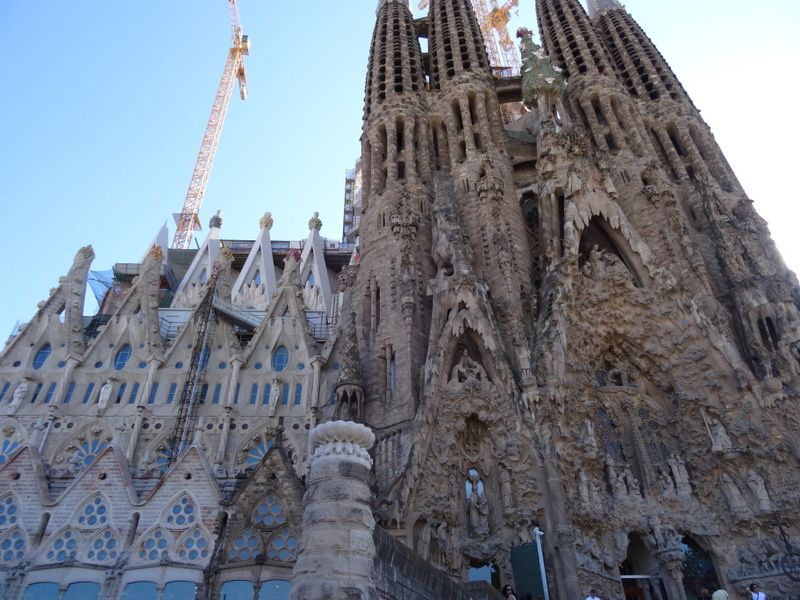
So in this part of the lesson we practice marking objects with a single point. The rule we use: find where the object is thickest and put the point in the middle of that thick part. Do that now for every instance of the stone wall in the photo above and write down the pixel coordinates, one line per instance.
(401, 574)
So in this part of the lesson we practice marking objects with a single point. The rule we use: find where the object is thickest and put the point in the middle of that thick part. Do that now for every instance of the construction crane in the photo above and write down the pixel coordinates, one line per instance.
(188, 221)
(493, 20)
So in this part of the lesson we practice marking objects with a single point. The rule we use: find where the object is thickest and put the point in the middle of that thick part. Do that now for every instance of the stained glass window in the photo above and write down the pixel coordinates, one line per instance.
(280, 359)
(8, 511)
(282, 547)
(41, 356)
(87, 452)
(182, 513)
(245, 546)
(195, 546)
(104, 547)
(122, 357)
(258, 452)
(94, 513)
(269, 512)
(7, 448)
(63, 546)
(153, 544)
(12, 546)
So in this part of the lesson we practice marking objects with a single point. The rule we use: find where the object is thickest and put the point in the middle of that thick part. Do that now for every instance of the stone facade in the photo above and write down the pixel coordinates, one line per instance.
(573, 321)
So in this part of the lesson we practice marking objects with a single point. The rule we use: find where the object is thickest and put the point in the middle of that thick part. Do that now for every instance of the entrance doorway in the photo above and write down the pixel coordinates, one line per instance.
(640, 573)
(699, 576)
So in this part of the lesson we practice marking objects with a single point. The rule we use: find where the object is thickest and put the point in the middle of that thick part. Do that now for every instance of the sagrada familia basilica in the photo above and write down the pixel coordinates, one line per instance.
(563, 355)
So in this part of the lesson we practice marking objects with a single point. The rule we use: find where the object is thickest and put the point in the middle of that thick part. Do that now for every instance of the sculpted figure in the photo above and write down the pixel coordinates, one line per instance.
(733, 495)
(274, 397)
(105, 395)
(478, 506)
(681, 475)
(424, 541)
(720, 441)
(466, 368)
(19, 395)
(756, 484)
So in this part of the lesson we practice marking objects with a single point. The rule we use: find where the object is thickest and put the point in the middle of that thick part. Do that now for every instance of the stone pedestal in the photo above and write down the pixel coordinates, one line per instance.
(337, 551)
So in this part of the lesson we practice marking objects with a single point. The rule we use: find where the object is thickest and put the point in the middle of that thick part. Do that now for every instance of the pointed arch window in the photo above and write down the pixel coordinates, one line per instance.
(280, 359)
(7, 448)
(122, 357)
(12, 546)
(87, 452)
(245, 546)
(153, 545)
(9, 511)
(104, 547)
(93, 513)
(269, 512)
(182, 513)
(41, 356)
(64, 545)
(282, 547)
(194, 546)
(257, 277)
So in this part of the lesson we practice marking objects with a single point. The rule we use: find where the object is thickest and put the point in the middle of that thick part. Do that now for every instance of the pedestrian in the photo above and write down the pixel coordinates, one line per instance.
(508, 592)
(592, 595)
(720, 595)
(756, 593)
(704, 594)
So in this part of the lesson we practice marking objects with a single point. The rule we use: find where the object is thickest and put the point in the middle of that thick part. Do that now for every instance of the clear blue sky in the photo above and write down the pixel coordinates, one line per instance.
(105, 103)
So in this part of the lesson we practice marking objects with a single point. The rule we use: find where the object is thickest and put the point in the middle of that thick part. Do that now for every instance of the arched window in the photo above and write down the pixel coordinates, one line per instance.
(83, 590)
(87, 452)
(40, 591)
(269, 513)
(245, 546)
(179, 590)
(103, 548)
(93, 513)
(121, 359)
(282, 547)
(280, 359)
(237, 590)
(140, 590)
(153, 545)
(275, 589)
(258, 452)
(194, 546)
(41, 356)
(9, 511)
(64, 545)
(204, 356)
(182, 513)
(257, 278)
(12, 547)
(7, 448)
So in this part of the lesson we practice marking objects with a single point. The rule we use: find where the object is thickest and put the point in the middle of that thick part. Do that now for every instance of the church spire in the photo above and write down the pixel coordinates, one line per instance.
(598, 6)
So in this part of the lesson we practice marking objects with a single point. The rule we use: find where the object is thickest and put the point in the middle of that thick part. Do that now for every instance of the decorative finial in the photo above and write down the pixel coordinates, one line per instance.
(315, 222)
(216, 221)
(266, 221)
(157, 253)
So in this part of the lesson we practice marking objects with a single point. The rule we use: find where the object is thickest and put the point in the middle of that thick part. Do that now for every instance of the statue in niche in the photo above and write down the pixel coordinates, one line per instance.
(733, 495)
(616, 480)
(105, 396)
(631, 483)
(19, 395)
(589, 493)
(424, 541)
(720, 440)
(467, 369)
(756, 484)
(666, 483)
(589, 439)
(274, 397)
(680, 475)
(478, 507)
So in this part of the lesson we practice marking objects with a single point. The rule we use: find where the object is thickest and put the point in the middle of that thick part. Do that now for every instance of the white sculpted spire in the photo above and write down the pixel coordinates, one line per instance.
(598, 6)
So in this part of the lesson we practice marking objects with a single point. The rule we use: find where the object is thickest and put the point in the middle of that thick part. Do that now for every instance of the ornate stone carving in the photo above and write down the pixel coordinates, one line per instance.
(342, 438)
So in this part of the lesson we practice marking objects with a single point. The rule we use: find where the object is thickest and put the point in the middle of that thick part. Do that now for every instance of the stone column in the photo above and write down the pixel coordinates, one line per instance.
(336, 551)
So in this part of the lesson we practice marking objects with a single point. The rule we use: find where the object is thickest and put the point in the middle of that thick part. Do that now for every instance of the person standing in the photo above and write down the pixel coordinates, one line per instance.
(508, 592)
(592, 595)
(756, 593)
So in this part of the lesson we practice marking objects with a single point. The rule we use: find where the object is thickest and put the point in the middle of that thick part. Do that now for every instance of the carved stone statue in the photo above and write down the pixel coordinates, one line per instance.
(274, 397)
(720, 441)
(680, 475)
(466, 368)
(424, 541)
(733, 495)
(315, 222)
(105, 396)
(19, 395)
(756, 484)
(477, 504)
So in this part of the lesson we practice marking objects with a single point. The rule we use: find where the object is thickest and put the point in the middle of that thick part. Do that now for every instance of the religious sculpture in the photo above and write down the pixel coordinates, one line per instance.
(759, 489)
(274, 397)
(478, 506)
(104, 396)
(467, 369)
(19, 395)
(733, 495)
